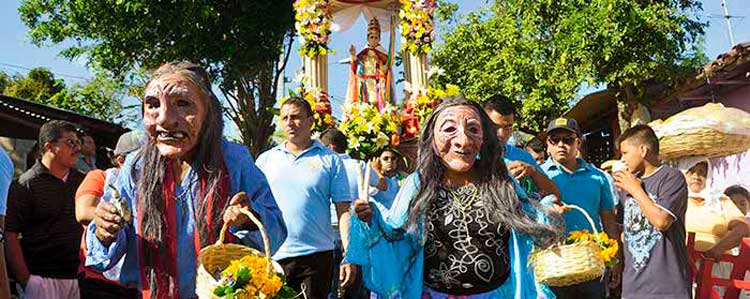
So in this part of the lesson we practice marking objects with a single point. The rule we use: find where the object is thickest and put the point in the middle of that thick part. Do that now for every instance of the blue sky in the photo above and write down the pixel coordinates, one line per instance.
(17, 54)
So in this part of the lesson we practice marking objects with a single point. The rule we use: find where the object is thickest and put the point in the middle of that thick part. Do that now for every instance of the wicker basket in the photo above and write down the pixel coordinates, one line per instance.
(702, 142)
(215, 258)
(564, 265)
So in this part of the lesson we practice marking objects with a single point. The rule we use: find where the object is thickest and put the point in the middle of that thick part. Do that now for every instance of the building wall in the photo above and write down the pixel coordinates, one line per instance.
(739, 98)
(731, 170)
(734, 169)
(17, 149)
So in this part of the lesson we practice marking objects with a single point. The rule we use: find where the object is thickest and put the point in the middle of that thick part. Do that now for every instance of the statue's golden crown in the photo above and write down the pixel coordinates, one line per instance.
(373, 26)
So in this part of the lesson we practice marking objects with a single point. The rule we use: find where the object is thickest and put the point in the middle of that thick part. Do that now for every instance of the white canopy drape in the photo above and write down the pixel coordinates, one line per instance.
(346, 12)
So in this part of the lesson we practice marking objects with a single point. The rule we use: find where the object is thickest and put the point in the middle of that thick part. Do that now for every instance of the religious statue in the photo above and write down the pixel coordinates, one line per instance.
(371, 79)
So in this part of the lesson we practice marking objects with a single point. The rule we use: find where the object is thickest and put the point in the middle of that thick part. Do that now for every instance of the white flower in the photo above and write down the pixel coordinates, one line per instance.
(346, 108)
(388, 109)
(354, 142)
(315, 92)
(382, 140)
(435, 70)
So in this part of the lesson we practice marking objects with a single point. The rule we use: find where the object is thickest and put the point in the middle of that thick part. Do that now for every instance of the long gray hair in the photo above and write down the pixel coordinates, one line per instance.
(206, 159)
(494, 183)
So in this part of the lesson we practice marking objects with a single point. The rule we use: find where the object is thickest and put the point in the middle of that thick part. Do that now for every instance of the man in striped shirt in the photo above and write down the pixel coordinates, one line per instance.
(41, 207)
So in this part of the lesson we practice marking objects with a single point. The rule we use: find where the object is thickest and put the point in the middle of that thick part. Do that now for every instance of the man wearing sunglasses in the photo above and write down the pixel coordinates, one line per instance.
(583, 185)
(386, 166)
(41, 206)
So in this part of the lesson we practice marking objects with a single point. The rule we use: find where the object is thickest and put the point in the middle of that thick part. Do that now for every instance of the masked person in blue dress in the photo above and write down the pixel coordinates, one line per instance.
(460, 226)
(177, 188)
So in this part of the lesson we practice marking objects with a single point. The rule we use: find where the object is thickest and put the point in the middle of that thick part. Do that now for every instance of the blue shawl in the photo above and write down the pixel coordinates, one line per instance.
(392, 258)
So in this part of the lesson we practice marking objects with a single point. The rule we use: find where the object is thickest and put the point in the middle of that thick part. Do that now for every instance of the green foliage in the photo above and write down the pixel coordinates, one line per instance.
(39, 85)
(541, 52)
(4, 80)
(99, 97)
(445, 11)
(240, 42)
(286, 292)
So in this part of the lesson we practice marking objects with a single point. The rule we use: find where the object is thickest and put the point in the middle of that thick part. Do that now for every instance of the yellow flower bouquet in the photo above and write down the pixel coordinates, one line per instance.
(426, 103)
(321, 107)
(246, 278)
(583, 256)
(417, 25)
(234, 271)
(607, 247)
(313, 23)
(370, 130)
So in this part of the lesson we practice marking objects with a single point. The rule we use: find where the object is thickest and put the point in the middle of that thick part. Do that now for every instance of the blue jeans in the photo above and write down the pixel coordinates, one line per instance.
(594, 289)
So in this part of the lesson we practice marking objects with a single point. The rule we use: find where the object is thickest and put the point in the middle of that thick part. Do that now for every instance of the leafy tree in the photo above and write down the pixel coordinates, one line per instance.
(39, 85)
(244, 44)
(4, 80)
(543, 51)
(99, 97)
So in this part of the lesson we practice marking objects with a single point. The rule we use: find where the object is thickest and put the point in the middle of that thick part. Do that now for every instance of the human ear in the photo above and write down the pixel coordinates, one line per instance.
(644, 151)
(47, 147)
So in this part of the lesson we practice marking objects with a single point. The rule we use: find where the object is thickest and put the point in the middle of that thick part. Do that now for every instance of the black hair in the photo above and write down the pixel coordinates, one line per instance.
(53, 130)
(737, 190)
(299, 102)
(500, 104)
(84, 133)
(535, 144)
(389, 149)
(336, 137)
(641, 135)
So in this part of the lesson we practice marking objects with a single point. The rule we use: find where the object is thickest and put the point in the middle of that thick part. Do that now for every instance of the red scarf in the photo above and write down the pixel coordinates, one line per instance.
(165, 263)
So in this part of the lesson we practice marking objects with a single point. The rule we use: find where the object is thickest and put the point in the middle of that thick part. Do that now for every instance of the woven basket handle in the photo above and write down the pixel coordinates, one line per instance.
(263, 233)
(591, 221)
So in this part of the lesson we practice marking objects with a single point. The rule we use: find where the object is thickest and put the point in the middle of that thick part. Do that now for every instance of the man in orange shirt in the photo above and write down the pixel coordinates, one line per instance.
(95, 284)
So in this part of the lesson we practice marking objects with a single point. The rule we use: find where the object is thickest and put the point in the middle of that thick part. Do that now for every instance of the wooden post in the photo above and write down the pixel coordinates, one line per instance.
(416, 68)
(316, 72)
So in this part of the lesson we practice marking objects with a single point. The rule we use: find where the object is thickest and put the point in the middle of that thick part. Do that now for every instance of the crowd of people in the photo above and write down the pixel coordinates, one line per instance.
(463, 224)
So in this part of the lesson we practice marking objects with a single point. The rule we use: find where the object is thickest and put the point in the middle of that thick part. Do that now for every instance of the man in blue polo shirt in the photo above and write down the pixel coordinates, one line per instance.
(521, 165)
(305, 177)
(335, 140)
(583, 185)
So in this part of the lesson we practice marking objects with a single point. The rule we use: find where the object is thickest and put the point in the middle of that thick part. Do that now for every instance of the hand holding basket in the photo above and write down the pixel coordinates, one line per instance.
(564, 265)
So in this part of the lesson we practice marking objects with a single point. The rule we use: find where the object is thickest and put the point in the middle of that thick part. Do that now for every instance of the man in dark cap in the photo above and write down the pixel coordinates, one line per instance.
(580, 184)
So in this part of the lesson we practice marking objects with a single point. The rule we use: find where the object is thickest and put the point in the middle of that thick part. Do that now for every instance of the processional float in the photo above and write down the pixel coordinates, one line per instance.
(373, 118)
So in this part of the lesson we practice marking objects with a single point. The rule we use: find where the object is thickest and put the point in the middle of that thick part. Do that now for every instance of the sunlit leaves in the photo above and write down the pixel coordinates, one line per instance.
(541, 52)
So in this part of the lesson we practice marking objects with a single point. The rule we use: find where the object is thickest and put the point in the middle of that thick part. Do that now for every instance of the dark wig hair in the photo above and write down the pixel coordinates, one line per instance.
(205, 158)
(493, 180)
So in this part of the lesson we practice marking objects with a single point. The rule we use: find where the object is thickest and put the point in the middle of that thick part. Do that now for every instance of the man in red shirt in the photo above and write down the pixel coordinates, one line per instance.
(95, 284)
